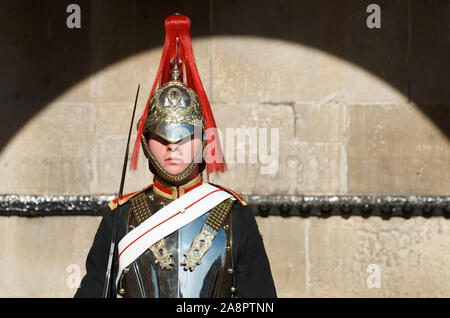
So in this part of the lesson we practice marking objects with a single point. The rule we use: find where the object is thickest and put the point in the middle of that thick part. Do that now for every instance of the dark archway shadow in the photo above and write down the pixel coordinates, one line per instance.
(41, 58)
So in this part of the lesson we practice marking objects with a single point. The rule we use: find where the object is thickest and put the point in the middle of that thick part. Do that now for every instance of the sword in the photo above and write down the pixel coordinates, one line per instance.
(125, 160)
(106, 286)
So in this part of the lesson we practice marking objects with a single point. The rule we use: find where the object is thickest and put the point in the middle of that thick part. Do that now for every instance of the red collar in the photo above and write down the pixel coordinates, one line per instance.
(168, 191)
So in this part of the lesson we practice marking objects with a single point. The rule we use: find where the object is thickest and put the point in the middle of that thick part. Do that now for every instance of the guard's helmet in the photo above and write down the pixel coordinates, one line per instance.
(177, 109)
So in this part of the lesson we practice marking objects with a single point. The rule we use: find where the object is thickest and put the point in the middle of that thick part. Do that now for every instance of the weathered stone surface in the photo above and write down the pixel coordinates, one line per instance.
(248, 69)
(313, 167)
(308, 257)
(113, 125)
(113, 119)
(111, 152)
(396, 150)
(335, 89)
(118, 83)
(322, 122)
(36, 254)
(25, 241)
(251, 169)
(53, 154)
(409, 254)
(285, 246)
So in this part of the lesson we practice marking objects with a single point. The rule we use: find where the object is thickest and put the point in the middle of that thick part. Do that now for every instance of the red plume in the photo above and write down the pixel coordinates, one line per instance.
(178, 25)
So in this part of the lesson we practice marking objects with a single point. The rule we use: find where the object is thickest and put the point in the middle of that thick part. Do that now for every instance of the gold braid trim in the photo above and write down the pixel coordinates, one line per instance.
(141, 210)
(218, 214)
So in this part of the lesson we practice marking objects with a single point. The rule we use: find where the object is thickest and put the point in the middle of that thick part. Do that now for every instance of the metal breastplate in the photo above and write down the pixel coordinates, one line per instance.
(149, 275)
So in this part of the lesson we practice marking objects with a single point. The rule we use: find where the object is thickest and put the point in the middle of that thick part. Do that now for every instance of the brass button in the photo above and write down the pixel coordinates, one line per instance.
(122, 292)
(233, 289)
(226, 227)
(126, 270)
(227, 248)
(230, 271)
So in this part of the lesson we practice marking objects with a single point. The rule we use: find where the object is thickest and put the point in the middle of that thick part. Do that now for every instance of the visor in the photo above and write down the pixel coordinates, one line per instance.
(174, 132)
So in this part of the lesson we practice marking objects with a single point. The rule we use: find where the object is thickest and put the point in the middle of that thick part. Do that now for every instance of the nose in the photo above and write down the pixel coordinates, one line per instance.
(172, 147)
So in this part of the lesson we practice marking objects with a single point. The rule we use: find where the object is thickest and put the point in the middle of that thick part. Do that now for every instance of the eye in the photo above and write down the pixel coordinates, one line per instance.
(186, 139)
(159, 139)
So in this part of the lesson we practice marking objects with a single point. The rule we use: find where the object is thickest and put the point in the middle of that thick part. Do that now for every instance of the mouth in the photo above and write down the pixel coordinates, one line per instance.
(174, 160)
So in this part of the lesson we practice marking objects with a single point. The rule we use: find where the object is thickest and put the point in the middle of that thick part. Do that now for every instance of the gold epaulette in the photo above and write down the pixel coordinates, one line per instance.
(237, 196)
(113, 204)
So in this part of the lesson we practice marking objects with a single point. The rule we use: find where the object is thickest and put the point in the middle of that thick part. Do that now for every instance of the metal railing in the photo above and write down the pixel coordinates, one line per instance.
(280, 205)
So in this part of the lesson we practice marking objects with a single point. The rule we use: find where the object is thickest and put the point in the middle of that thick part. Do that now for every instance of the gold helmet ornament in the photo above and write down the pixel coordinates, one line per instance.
(178, 109)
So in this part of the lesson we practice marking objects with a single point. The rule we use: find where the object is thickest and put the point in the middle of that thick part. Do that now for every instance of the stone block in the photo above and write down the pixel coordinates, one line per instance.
(313, 167)
(285, 247)
(111, 152)
(297, 52)
(407, 255)
(42, 257)
(53, 153)
(320, 122)
(261, 70)
(114, 119)
(118, 82)
(396, 150)
(263, 126)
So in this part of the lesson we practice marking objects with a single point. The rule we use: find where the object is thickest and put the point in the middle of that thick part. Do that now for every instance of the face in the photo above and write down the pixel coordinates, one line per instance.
(174, 157)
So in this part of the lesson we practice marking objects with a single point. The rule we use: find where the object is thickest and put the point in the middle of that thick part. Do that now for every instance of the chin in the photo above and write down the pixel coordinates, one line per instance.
(174, 169)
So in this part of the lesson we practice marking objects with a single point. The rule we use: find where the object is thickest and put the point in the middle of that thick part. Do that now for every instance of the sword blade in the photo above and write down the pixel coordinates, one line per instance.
(125, 161)
(106, 286)
(108, 270)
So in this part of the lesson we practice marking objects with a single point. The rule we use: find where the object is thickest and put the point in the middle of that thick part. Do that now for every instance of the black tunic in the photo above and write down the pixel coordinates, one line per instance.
(253, 277)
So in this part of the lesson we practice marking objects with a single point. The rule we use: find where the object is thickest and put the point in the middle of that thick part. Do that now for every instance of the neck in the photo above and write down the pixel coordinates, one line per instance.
(170, 191)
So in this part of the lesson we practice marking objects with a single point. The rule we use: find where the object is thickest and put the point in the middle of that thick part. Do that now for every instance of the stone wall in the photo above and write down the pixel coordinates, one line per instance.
(357, 110)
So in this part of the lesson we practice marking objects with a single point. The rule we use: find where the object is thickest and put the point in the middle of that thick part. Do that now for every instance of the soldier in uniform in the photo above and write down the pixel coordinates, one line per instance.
(180, 236)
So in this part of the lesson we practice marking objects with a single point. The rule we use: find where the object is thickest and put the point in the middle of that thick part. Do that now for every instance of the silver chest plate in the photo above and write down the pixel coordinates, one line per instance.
(147, 279)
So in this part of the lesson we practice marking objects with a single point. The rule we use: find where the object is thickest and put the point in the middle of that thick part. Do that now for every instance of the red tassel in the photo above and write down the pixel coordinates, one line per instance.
(137, 143)
(214, 159)
(178, 25)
